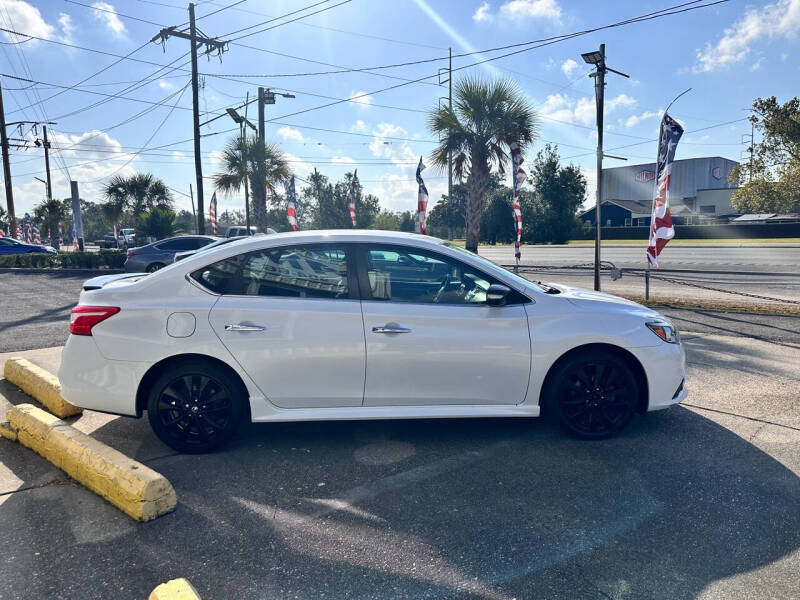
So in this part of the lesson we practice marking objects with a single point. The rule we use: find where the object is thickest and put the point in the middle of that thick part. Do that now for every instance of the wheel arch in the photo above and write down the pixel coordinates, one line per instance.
(623, 354)
(155, 370)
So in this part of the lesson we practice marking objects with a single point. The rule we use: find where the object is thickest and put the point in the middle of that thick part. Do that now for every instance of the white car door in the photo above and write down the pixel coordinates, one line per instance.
(431, 337)
(292, 319)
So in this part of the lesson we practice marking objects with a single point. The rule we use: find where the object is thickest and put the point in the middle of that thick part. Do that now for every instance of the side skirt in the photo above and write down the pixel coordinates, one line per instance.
(399, 412)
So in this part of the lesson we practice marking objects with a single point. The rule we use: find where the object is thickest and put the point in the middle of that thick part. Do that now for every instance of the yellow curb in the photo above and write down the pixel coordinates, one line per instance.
(40, 384)
(7, 431)
(134, 488)
(176, 589)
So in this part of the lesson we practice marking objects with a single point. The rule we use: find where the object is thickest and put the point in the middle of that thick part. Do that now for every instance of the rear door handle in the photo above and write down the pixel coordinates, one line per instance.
(243, 327)
(390, 329)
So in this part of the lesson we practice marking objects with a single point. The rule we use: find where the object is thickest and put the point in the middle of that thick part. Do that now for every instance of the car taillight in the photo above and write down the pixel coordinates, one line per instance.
(132, 253)
(83, 318)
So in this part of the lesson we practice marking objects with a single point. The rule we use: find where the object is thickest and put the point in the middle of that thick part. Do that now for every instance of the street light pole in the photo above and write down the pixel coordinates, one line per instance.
(598, 59)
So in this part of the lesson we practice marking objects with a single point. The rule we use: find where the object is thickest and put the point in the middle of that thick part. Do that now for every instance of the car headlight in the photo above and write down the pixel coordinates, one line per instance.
(664, 329)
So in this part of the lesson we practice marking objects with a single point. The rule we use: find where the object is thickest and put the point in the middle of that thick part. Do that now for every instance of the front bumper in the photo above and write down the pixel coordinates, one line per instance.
(91, 381)
(665, 369)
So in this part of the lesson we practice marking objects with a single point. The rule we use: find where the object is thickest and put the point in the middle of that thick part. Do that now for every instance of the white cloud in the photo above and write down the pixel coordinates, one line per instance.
(290, 133)
(299, 167)
(568, 67)
(108, 15)
(781, 19)
(482, 13)
(25, 17)
(359, 126)
(67, 28)
(177, 155)
(165, 85)
(342, 160)
(215, 158)
(634, 120)
(757, 65)
(558, 107)
(361, 98)
(531, 9)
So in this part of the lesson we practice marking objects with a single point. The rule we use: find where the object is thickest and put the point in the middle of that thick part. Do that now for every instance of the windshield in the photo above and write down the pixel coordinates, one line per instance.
(494, 267)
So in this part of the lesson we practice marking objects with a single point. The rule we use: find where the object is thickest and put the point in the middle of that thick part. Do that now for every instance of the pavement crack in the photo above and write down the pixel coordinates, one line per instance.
(58, 481)
(733, 414)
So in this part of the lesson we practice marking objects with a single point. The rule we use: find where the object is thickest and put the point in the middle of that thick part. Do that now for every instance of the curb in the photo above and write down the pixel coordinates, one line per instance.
(134, 488)
(176, 589)
(40, 384)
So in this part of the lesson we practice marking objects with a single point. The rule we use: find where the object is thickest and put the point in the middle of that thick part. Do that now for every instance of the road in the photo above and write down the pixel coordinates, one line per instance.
(700, 501)
(781, 258)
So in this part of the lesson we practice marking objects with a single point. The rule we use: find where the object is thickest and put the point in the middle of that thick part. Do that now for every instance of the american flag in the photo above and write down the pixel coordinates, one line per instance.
(116, 232)
(422, 199)
(291, 204)
(212, 212)
(351, 197)
(27, 222)
(661, 230)
(518, 176)
(19, 232)
(37, 237)
(60, 237)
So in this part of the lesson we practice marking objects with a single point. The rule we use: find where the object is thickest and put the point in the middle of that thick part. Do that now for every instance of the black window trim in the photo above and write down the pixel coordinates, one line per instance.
(363, 278)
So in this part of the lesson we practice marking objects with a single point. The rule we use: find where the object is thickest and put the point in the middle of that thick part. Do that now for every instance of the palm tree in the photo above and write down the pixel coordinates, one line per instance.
(138, 193)
(266, 168)
(476, 130)
(49, 214)
(111, 212)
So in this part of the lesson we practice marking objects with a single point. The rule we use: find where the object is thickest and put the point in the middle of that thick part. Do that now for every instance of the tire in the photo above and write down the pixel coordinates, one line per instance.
(152, 268)
(594, 395)
(201, 422)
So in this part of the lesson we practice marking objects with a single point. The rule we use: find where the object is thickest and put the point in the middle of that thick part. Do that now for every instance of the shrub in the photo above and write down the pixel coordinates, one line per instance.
(104, 259)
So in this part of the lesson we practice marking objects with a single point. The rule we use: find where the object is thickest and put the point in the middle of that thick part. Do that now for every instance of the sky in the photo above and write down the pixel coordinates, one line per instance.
(123, 104)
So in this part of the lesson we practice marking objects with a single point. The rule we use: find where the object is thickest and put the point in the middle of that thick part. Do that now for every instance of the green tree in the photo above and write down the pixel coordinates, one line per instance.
(49, 213)
(476, 130)
(448, 217)
(327, 204)
(138, 193)
(770, 182)
(266, 169)
(158, 223)
(112, 212)
(386, 220)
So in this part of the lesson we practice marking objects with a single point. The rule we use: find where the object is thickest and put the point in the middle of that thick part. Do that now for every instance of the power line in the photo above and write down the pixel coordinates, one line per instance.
(294, 12)
(100, 8)
(290, 21)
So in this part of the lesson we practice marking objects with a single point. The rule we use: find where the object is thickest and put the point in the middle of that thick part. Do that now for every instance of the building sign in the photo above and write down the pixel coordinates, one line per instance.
(645, 176)
(716, 172)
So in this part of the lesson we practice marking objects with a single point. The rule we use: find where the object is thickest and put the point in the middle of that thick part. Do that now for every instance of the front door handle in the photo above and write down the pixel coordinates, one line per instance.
(243, 327)
(390, 329)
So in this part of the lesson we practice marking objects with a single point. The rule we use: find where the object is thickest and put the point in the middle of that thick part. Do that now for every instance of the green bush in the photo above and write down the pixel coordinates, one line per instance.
(104, 259)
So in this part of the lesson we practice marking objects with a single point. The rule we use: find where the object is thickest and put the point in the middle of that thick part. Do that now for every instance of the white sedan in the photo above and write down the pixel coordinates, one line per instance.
(325, 325)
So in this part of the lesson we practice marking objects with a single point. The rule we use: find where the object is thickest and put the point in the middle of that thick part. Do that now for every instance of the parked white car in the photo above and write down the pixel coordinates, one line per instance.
(325, 325)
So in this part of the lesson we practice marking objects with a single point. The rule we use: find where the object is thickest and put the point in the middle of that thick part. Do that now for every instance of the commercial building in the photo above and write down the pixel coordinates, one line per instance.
(699, 192)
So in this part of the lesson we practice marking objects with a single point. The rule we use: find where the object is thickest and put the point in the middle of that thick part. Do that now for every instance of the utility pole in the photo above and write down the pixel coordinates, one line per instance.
(598, 59)
(47, 163)
(211, 44)
(265, 96)
(12, 220)
(450, 104)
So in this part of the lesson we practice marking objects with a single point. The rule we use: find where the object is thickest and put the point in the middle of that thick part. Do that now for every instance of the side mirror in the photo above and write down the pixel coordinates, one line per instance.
(497, 294)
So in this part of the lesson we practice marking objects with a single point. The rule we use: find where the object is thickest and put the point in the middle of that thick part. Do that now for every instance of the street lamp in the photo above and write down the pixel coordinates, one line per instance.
(598, 59)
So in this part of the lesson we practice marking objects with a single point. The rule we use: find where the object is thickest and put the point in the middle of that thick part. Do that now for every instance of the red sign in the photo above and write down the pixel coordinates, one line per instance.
(644, 176)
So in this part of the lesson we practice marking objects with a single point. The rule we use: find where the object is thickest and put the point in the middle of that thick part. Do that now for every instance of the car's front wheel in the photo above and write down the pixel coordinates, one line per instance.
(152, 268)
(594, 394)
(196, 406)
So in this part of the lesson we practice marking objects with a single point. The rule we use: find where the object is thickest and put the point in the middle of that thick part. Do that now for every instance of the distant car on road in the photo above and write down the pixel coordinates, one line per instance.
(152, 257)
(108, 241)
(181, 255)
(329, 325)
(12, 246)
(241, 231)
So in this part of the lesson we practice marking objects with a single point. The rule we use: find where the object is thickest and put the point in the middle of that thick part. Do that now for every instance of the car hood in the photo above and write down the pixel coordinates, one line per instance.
(117, 279)
(598, 301)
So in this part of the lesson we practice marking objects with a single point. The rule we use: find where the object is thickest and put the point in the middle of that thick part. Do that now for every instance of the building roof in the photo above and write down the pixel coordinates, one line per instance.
(677, 160)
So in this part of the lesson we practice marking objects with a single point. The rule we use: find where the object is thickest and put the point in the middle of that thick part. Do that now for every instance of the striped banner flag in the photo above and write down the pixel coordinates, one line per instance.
(212, 213)
(60, 237)
(116, 232)
(19, 232)
(37, 236)
(351, 197)
(422, 200)
(661, 230)
(518, 178)
(291, 203)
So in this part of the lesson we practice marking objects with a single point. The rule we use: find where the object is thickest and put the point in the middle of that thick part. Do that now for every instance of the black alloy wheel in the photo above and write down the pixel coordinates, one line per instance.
(195, 408)
(595, 395)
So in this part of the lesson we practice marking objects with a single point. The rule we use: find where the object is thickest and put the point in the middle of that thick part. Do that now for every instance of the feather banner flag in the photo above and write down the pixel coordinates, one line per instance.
(661, 229)
(351, 197)
(518, 178)
(37, 236)
(291, 203)
(212, 213)
(422, 200)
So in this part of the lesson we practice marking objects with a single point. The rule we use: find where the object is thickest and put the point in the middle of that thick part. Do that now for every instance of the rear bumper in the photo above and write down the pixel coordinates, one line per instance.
(92, 381)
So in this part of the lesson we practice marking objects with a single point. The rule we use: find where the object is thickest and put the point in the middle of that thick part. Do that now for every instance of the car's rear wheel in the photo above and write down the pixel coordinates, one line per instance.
(154, 267)
(196, 406)
(594, 394)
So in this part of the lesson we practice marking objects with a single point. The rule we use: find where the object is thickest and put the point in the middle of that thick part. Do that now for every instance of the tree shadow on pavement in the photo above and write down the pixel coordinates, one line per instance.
(492, 508)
